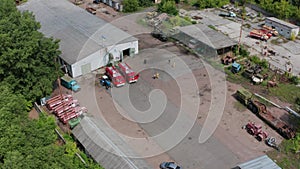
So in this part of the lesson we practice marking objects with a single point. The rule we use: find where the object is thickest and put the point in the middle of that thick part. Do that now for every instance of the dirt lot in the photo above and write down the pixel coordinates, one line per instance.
(229, 131)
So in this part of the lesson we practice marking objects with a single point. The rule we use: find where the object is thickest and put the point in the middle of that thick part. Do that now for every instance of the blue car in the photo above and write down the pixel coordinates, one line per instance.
(169, 165)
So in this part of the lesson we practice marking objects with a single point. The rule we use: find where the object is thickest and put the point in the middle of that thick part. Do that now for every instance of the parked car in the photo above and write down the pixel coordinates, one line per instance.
(169, 165)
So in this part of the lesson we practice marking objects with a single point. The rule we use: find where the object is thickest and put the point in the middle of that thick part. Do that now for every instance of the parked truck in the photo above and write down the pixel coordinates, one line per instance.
(69, 83)
(260, 109)
(271, 30)
(227, 14)
(115, 77)
(128, 73)
(259, 34)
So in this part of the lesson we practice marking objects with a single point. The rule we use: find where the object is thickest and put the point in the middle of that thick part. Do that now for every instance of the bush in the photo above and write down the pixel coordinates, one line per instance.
(255, 59)
(264, 63)
(168, 6)
(294, 80)
(130, 5)
(293, 36)
(243, 51)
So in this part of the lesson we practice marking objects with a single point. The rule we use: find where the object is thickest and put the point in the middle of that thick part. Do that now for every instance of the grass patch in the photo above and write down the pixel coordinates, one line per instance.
(287, 157)
(236, 78)
(175, 21)
(286, 92)
(142, 21)
(213, 27)
(239, 106)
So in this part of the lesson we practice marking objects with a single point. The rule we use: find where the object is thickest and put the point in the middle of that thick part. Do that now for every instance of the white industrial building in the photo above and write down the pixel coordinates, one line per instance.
(284, 28)
(86, 41)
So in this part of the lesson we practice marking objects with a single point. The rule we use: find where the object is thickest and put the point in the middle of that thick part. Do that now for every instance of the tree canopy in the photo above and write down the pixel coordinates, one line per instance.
(168, 6)
(27, 61)
(27, 71)
(210, 3)
(282, 8)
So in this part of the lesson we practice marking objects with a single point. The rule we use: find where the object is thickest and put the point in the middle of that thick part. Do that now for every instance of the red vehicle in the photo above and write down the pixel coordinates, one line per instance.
(259, 34)
(128, 73)
(267, 32)
(115, 76)
(256, 130)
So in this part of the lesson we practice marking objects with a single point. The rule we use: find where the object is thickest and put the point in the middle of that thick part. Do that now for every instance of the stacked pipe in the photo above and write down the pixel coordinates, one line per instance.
(65, 107)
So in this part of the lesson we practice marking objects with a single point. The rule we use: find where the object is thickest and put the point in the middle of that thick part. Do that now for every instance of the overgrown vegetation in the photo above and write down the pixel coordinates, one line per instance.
(27, 72)
(209, 3)
(288, 156)
(134, 5)
(168, 6)
(281, 8)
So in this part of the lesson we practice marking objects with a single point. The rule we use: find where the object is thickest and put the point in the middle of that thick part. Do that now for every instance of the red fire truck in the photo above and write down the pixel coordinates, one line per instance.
(115, 76)
(128, 73)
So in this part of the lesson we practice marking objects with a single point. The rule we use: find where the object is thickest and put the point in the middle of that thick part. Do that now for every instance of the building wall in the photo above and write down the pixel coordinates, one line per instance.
(96, 60)
(101, 58)
(118, 49)
(282, 29)
(197, 46)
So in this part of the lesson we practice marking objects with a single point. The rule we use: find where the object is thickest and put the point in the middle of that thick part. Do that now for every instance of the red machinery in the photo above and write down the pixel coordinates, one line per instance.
(128, 73)
(267, 32)
(64, 107)
(55, 101)
(259, 34)
(116, 78)
(256, 130)
(270, 29)
(72, 113)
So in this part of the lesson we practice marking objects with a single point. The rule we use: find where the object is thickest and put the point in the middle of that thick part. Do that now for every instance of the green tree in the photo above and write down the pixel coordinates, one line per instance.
(168, 6)
(27, 59)
(145, 3)
(130, 5)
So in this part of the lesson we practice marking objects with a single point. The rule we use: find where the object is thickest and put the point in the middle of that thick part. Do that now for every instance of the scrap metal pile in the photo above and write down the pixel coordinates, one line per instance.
(65, 107)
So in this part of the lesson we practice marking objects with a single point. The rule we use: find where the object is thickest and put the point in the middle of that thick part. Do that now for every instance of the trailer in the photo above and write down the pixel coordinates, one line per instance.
(259, 34)
(261, 111)
(116, 78)
(128, 73)
(271, 30)
(266, 32)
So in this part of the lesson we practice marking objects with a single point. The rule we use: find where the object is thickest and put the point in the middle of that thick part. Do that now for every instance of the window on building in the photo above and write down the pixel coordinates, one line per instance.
(281, 30)
(288, 32)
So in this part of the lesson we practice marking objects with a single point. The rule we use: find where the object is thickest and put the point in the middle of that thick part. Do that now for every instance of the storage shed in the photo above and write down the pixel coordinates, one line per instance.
(204, 40)
(86, 41)
(284, 28)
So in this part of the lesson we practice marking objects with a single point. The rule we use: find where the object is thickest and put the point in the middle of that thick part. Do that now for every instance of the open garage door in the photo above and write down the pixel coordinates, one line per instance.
(86, 68)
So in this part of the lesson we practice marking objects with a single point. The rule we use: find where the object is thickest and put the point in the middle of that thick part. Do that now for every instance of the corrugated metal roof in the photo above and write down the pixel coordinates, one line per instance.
(203, 33)
(80, 32)
(106, 147)
(273, 19)
(262, 162)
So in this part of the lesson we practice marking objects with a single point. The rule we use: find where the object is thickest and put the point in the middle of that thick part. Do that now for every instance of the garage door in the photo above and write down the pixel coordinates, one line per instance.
(86, 68)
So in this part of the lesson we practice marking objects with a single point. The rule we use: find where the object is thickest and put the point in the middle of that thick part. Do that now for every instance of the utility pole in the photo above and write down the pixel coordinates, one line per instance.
(241, 31)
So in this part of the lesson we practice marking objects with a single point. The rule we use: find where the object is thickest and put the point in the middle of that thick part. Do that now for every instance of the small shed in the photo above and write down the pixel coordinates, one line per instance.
(204, 40)
(262, 162)
(284, 28)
